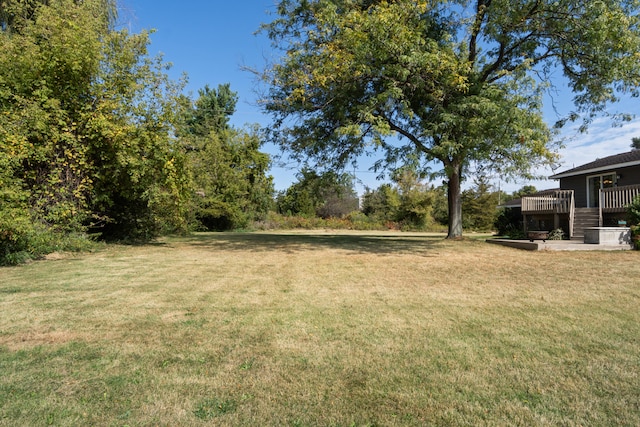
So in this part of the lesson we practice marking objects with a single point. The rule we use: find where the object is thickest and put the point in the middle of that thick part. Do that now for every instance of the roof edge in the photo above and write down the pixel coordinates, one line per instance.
(592, 170)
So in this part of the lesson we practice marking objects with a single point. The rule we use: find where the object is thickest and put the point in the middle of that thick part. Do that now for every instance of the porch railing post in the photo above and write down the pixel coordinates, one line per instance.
(572, 207)
(600, 203)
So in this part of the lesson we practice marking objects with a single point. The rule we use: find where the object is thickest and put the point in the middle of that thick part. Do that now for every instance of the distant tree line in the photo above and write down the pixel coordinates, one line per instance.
(408, 202)
(326, 195)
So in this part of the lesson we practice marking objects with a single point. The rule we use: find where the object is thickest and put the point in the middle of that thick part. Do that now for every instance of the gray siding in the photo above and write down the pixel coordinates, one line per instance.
(629, 176)
(579, 186)
(578, 183)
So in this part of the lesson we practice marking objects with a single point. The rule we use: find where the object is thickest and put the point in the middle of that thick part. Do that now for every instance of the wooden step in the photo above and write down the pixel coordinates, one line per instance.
(584, 218)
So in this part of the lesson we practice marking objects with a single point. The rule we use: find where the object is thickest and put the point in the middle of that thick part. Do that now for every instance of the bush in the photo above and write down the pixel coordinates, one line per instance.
(509, 222)
(633, 212)
(16, 233)
(23, 239)
(355, 220)
(513, 232)
(360, 221)
(635, 236)
(557, 234)
(35, 245)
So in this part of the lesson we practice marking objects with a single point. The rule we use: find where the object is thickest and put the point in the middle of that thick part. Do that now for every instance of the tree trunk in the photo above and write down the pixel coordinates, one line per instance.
(454, 197)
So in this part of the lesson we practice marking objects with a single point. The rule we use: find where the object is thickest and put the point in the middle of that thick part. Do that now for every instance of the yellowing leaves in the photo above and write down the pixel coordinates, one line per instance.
(85, 119)
(298, 95)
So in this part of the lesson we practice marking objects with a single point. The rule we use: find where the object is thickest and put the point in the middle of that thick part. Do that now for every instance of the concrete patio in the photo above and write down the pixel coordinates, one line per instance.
(559, 245)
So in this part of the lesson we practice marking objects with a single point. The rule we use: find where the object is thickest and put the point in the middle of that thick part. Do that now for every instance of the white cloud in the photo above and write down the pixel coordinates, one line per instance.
(600, 141)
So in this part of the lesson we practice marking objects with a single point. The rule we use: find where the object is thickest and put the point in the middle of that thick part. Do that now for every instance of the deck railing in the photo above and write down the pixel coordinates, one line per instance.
(616, 199)
(559, 201)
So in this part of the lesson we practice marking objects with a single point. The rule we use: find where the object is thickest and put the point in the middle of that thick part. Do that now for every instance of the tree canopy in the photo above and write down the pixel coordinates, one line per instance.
(460, 82)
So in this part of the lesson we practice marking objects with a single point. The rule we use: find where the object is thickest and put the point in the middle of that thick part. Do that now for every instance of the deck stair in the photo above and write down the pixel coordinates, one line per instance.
(584, 218)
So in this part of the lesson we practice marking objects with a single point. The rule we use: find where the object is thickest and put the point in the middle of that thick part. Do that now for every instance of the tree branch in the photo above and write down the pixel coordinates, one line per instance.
(505, 52)
(536, 60)
(411, 137)
(481, 11)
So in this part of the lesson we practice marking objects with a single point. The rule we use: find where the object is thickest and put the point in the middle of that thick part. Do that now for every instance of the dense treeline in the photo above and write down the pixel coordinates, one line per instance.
(231, 186)
(95, 138)
(409, 203)
(406, 203)
(327, 195)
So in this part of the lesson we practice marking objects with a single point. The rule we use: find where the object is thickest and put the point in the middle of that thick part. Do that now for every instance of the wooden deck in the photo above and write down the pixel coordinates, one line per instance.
(556, 203)
(559, 201)
(562, 203)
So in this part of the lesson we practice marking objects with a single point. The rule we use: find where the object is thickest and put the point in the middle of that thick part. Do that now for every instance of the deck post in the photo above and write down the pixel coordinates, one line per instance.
(600, 203)
(572, 212)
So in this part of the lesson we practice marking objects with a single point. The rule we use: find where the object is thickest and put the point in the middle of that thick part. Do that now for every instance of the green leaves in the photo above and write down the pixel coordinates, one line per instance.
(86, 119)
(328, 195)
(582, 39)
(231, 187)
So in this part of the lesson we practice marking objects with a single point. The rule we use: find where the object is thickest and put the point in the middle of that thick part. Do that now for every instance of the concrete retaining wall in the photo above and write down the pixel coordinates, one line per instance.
(607, 235)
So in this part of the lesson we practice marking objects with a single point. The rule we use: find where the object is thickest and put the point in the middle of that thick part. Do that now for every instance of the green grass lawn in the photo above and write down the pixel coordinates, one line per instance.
(305, 329)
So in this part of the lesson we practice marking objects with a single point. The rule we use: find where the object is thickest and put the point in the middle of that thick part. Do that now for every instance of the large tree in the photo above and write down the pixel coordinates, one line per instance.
(460, 82)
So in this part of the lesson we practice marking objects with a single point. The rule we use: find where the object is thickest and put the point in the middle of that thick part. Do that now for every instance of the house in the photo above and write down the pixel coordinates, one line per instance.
(592, 195)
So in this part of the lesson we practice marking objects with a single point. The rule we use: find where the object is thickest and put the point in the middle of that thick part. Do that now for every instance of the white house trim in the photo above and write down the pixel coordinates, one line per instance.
(594, 170)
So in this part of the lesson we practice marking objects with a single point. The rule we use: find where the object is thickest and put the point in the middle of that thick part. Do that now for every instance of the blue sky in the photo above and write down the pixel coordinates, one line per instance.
(211, 40)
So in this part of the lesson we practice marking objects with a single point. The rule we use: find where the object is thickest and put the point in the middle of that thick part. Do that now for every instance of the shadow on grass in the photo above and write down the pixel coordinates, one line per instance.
(417, 244)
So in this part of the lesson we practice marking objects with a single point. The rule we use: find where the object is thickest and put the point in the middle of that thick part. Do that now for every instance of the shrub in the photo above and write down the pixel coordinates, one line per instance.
(16, 233)
(557, 234)
(360, 221)
(513, 232)
(355, 220)
(23, 239)
(633, 212)
(635, 236)
(508, 222)
(36, 243)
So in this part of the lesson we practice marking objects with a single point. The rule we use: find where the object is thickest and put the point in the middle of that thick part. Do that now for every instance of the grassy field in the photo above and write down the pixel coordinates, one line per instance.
(306, 329)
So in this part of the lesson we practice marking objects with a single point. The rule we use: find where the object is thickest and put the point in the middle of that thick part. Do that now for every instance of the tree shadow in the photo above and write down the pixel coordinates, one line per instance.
(415, 244)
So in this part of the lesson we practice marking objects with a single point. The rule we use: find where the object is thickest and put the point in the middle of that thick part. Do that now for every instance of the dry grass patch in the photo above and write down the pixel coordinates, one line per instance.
(321, 329)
